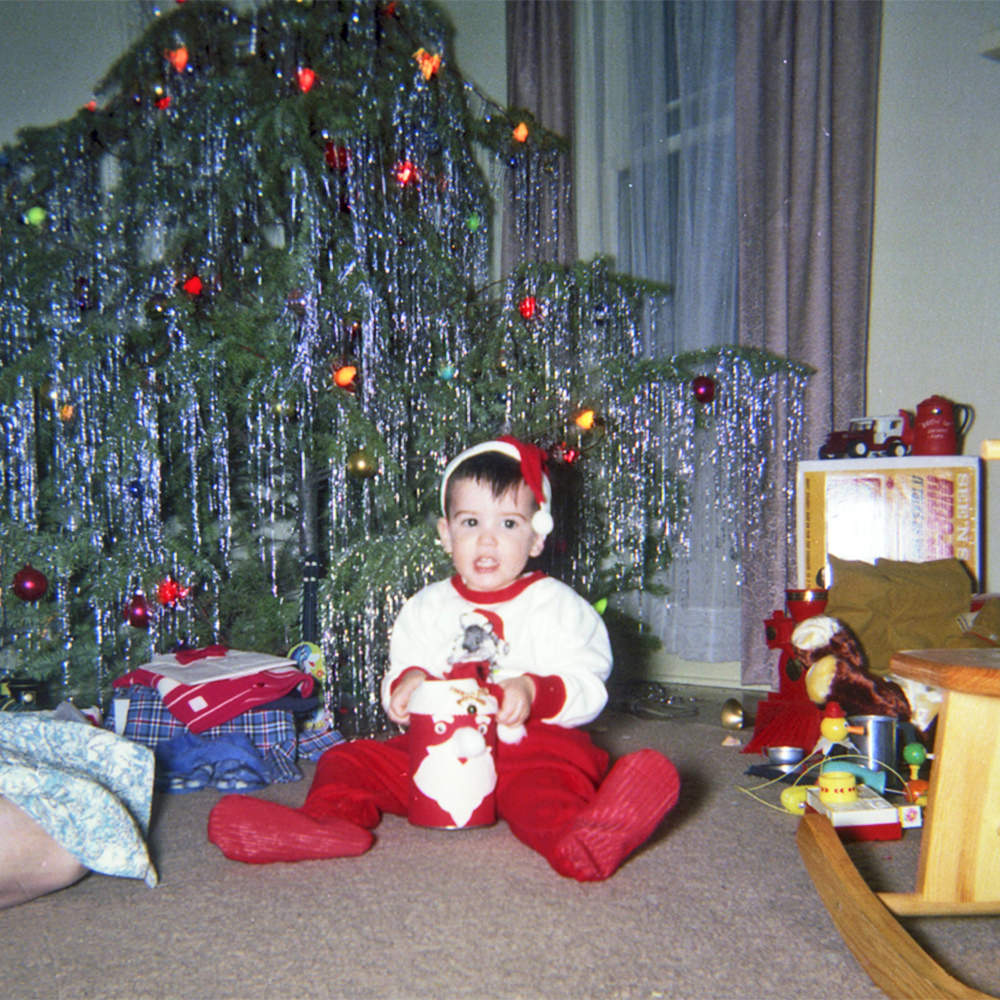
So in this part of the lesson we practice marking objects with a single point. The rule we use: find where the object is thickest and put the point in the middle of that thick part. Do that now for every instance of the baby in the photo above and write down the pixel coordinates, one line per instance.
(546, 653)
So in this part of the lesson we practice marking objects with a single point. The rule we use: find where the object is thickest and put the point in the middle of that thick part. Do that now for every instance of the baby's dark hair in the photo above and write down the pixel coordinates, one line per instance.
(498, 471)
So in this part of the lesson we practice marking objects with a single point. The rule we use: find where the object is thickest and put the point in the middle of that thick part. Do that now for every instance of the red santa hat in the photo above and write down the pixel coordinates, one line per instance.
(532, 461)
(493, 620)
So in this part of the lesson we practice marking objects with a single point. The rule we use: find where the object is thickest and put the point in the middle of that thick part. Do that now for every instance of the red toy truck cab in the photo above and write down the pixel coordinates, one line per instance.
(891, 436)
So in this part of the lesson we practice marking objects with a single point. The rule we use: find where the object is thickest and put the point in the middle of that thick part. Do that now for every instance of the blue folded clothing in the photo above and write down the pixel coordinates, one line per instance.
(188, 762)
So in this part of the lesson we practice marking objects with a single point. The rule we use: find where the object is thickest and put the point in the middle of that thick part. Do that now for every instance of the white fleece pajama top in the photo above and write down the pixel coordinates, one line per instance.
(537, 626)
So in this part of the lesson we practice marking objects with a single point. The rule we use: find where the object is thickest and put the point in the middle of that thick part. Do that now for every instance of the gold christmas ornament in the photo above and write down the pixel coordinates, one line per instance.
(361, 464)
(732, 714)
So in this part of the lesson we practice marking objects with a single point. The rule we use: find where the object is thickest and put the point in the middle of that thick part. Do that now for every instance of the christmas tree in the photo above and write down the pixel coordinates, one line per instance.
(248, 316)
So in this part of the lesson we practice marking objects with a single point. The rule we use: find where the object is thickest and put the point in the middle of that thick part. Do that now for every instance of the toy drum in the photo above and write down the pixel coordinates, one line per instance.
(837, 786)
(452, 755)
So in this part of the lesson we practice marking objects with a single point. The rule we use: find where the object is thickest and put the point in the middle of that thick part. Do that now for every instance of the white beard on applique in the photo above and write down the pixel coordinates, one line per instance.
(458, 774)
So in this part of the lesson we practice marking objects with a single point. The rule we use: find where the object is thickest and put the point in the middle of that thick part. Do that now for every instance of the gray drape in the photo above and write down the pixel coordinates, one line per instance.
(806, 98)
(540, 80)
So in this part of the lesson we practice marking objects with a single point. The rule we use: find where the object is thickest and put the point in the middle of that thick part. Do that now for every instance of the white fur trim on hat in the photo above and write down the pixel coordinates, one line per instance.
(541, 521)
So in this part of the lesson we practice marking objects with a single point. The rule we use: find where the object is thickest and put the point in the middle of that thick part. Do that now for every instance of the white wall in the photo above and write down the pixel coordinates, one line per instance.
(54, 53)
(935, 316)
(481, 43)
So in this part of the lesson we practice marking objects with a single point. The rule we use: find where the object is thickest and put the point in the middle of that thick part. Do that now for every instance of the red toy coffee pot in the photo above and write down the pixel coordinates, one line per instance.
(940, 426)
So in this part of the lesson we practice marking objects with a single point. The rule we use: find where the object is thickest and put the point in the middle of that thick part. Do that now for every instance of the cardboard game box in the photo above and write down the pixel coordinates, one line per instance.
(869, 818)
(913, 509)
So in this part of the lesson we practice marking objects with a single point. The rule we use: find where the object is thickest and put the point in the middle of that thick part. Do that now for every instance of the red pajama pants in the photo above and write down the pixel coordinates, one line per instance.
(543, 783)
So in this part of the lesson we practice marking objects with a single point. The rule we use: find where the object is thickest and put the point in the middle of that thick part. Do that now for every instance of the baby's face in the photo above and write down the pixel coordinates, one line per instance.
(489, 538)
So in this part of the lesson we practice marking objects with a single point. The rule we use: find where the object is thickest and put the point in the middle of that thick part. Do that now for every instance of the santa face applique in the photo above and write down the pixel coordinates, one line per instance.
(452, 751)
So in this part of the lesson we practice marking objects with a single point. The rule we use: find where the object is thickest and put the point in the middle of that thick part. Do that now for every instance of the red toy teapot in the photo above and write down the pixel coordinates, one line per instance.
(940, 426)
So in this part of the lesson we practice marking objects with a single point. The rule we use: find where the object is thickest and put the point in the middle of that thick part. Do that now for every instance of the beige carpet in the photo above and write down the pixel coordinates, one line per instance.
(718, 906)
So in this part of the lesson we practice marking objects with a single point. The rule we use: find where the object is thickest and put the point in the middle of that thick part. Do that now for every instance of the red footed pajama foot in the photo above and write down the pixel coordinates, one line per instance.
(259, 832)
(638, 792)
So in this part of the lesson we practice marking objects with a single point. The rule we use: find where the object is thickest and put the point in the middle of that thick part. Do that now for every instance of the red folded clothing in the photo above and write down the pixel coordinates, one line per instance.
(202, 706)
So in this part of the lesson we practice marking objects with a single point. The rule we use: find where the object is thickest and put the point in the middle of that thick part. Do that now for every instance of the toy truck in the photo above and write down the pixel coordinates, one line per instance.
(891, 436)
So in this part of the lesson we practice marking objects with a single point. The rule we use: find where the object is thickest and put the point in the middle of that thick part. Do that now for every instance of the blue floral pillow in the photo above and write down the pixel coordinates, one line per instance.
(88, 788)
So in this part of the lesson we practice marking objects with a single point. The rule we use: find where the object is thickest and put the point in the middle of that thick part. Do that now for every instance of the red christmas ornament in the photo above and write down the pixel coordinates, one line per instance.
(528, 306)
(305, 78)
(406, 173)
(337, 157)
(169, 592)
(193, 285)
(137, 611)
(703, 387)
(30, 584)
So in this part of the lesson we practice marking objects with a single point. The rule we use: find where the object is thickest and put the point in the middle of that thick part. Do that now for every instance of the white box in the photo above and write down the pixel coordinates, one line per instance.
(914, 509)
(869, 817)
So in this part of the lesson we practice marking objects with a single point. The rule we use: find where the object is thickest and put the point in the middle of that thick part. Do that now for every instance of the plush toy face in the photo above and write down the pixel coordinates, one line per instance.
(837, 671)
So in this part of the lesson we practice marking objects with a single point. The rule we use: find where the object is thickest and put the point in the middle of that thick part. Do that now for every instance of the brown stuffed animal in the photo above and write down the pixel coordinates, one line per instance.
(836, 671)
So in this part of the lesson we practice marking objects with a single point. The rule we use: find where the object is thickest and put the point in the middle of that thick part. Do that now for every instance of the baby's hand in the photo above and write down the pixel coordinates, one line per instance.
(399, 700)
(518, 696)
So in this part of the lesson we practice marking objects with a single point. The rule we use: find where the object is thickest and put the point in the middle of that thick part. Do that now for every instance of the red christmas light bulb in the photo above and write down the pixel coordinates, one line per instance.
(169, 592)
(178, 58)
(406, 173)
(337, 157)
(306, 78)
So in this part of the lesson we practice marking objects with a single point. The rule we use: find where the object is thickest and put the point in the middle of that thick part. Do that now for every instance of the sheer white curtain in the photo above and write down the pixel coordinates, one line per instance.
(655, 92)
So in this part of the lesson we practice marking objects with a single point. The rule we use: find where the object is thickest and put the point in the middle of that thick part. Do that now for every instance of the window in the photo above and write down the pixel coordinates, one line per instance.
(656, 183)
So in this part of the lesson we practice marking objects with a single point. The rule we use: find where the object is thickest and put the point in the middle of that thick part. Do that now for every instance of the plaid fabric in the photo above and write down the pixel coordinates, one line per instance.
(272, 732)
(313, 744)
